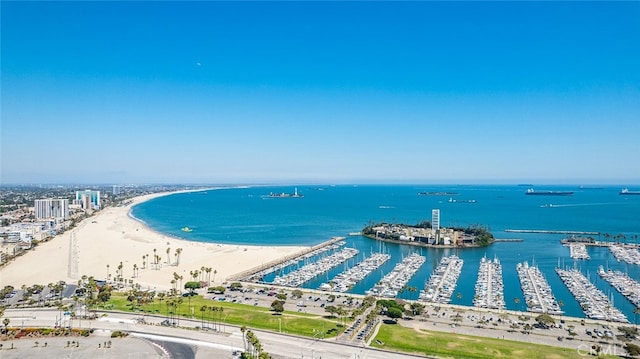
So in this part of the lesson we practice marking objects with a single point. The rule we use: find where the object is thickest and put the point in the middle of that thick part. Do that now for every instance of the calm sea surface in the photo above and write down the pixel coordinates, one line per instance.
(244, 216)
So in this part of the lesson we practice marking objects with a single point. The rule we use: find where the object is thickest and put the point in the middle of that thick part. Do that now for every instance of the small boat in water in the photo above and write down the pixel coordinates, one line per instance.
(626, 191)
(187, 229)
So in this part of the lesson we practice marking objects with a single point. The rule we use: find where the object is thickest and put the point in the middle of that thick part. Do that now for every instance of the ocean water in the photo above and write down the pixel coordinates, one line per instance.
(245, 216)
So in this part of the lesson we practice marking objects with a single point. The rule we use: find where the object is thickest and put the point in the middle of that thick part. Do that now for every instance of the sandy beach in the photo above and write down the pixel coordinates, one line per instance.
(111, 236)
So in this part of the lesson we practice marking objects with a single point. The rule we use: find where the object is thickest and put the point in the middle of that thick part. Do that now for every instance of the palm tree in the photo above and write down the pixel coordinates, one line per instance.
(168, 259)
(243, 329)
(155, 257)
(214, 274)
(135, 270)
(203, 310)
(107, 271)
(178, 252)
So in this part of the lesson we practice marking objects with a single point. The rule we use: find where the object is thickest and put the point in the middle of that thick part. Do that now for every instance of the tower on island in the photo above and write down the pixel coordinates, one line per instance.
(435, 224)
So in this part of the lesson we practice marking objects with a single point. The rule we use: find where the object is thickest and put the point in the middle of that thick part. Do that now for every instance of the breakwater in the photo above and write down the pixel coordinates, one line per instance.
(550, 231)
(246, 275)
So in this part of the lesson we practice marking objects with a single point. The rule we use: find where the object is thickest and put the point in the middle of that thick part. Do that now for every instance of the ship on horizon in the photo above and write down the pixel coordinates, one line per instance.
(531, 191)
(439, 193)
(626, 191)
(295, 194)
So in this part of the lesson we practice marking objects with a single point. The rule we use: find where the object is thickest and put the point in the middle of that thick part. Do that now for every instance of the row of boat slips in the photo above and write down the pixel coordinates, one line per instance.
(392, 283)
(489, 286)
(347, 279)
(312, 270)
(623, 284)
(537, 292)
(283, 265)
(594, 303)
(578, 251)
(442, 281)
(625, 254)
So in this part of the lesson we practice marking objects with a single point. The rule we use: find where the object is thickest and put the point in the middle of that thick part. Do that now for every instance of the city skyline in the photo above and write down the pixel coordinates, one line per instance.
(298, 92)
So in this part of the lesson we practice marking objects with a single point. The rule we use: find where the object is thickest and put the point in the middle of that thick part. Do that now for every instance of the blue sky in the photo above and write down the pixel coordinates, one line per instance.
(339, 92)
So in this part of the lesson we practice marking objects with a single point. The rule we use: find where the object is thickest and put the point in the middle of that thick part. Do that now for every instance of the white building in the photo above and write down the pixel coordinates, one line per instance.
(56, 208)
(435, 219)
(89, 197)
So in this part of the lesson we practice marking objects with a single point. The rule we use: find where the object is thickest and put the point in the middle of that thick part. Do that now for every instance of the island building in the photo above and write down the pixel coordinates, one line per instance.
(425, 233)
(51, 208)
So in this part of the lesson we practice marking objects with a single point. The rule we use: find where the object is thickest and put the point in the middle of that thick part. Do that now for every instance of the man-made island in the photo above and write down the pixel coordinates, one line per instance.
(426, 235)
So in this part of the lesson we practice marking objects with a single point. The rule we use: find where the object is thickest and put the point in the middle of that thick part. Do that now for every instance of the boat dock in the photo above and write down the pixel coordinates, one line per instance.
(624, 254)
(390, 285)
(594, 303)
(347, 279)
(256, 273)
(623, 284)
(537, 292)
(312, 270)
(550, 231)
(578, 251)
(442, 281)
(489, 286)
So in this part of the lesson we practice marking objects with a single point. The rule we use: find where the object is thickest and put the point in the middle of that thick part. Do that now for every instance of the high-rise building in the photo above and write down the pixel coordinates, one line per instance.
(94, 198)
(57, 208)
(116, 189)
(435, 219)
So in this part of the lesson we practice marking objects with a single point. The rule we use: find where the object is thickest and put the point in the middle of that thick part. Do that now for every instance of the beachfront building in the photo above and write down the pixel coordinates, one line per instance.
(89, 199)
(51, 208)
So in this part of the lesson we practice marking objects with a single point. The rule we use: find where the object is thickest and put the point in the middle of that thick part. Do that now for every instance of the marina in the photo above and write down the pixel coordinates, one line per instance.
(393, 282)
(624, 254)
(594, 303)
(241, 217)
(259, 273)
(538, 296)
(623, 284)
(312, 270)
(489, 286)
(578, 251)
(347, 279)
(442, 281)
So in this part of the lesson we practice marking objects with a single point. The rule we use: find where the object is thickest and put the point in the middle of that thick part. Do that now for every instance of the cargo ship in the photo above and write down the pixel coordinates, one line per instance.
(437, 193)
(531, 191)
(626, 191)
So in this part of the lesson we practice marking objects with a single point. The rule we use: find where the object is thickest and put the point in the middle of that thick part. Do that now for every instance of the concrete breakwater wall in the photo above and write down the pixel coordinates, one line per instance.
(248, 273)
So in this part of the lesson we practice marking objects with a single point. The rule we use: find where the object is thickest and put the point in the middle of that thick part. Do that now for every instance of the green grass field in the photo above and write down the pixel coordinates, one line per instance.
(304, 324)
(449, 345)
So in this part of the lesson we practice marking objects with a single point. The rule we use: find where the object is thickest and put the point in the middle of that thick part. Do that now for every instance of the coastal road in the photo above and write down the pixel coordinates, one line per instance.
(186, 342)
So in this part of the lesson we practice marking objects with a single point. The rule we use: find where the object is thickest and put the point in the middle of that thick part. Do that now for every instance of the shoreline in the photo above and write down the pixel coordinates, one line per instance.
(113, 240)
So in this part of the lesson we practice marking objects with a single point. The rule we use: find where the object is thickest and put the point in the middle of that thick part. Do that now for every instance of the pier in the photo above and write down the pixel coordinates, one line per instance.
(578, 251)
(489, 286)
(623, 284)
(390, 285)
(623, 254)
(347, 279)
(260, 271)
(537, 292)
(594, 303)
(442, 281)
(550, 231)
(312, 270)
